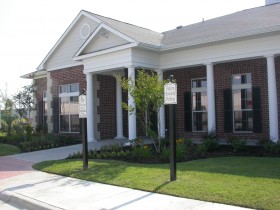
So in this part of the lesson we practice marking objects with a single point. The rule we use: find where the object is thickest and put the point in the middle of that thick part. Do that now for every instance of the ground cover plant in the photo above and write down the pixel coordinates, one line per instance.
(252, 182)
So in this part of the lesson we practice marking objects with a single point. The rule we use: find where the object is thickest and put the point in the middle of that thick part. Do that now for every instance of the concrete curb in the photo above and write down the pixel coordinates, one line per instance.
(21, 201)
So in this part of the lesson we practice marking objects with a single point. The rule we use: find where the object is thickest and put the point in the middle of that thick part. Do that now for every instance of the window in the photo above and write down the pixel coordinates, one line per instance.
(242, 103)
(199, 104)
(45, 108)
(71, 88)
(69, 102)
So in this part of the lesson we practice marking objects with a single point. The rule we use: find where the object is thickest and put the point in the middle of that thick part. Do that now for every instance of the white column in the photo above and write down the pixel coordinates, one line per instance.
(211, 98)
(161, 117)
(119, 110)
(272, 98)
(131, 115)
(90, 109)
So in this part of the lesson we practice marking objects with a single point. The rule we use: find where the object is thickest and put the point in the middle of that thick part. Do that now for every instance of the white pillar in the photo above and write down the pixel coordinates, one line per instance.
(119, 110)
(272, 98)
(161, 118)
(131, 115)
(90, 109)
(211, 98)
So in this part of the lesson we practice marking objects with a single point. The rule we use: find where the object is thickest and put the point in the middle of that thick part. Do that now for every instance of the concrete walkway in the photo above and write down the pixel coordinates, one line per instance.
(27, 188)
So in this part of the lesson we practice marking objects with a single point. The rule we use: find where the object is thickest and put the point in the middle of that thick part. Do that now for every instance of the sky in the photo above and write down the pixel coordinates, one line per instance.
(30, 28)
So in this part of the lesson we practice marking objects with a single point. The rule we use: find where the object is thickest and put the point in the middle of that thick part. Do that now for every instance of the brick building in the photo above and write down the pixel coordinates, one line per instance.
(227, 70)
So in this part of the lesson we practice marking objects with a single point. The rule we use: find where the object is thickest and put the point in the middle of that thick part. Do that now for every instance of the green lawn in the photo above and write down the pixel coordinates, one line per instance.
(252, 182)
(6, 149)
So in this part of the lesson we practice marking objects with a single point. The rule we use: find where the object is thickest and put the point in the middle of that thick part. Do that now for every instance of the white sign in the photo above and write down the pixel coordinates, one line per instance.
(170, 93)
(82, 106)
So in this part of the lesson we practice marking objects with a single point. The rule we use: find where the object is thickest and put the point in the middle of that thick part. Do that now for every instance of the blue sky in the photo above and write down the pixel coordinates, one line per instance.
(30, 28)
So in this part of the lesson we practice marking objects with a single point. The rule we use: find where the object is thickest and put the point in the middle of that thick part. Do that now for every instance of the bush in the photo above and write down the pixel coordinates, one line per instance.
(271, 147)
(239, 145)
(209, 142)
(141, 152)
(40, 142)
(165, 153)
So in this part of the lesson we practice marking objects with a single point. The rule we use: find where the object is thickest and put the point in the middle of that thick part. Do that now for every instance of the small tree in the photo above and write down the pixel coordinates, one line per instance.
(8, 118)
(24, 101)
(148, 96)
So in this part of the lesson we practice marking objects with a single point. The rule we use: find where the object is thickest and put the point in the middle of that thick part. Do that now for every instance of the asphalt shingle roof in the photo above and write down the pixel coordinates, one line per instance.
(246, 22)
(242, 23)
(137, 33)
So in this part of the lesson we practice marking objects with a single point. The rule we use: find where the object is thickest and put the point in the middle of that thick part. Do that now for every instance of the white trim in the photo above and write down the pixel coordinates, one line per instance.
(82, 13)
(86, 26)
(96, 32)
(64, 66)
(221, 38)
(198, 90)
(114, 49)
(241, 87)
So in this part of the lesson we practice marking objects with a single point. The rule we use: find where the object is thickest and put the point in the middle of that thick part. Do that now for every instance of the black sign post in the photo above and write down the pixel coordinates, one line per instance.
(83, 117)
(170, 99)
(172, 141)
(85, 144)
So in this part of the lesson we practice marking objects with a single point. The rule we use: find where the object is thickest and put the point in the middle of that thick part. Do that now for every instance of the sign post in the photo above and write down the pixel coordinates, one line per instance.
(170, 99)
(83, 116)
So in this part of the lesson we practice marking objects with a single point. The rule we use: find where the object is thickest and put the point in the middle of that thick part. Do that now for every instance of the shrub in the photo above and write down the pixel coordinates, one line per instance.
(165, 153)
(210, 141)
(270, 146)
(238, 144)
(141, 152)
(181, 149)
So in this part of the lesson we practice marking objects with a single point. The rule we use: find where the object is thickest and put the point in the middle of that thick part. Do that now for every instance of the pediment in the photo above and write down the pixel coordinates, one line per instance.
(102, 40)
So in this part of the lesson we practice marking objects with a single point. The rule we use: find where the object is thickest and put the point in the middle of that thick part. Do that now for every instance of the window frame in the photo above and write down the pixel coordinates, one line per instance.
(68, 94)
(198, 90)
(241, 86)
(45, 102)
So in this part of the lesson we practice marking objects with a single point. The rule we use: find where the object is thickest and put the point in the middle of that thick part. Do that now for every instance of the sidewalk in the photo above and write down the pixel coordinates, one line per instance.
(38, 190)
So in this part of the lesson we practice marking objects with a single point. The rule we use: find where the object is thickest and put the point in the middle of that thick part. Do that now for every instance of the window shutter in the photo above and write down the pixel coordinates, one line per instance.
(188, 111)
(228, 112)
(56, 115)
(257, 115)
(41, 112)
(166, 121)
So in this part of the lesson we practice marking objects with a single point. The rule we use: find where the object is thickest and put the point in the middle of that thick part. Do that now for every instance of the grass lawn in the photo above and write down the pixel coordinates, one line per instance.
(6, 149)
(252, 182)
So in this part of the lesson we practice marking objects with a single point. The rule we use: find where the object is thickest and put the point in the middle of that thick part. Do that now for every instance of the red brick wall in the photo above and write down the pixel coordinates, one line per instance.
(183, 78)
(62, 77)
(107, 108)
(222, 79)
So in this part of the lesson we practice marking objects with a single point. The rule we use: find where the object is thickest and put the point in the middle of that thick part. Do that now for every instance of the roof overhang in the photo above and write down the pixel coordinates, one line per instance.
(35, 75)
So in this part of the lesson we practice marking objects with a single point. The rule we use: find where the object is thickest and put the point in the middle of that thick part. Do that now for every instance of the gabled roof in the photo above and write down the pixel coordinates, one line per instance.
(247, 22)
(127, 42)
(139, 34)
(240, 24)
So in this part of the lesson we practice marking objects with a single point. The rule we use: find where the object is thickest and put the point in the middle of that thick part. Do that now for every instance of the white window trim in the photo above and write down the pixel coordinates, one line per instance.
(240, 87)
(198, 90)
(67, 94)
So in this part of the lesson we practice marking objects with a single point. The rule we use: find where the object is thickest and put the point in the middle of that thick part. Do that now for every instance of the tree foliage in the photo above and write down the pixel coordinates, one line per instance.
(147, 92)
(24, 101)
